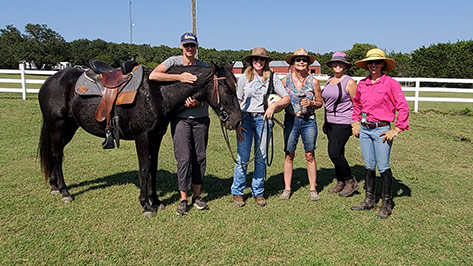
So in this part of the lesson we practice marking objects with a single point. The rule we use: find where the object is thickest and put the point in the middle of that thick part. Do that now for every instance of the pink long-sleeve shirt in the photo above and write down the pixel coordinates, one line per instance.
(380, 101)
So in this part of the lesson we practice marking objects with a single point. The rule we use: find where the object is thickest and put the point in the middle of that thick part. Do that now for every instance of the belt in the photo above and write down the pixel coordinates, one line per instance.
(253, 114)
(308, 116)
(375, 124)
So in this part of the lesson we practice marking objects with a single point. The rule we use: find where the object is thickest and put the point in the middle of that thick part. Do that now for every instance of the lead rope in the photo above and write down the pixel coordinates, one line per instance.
(265, 126)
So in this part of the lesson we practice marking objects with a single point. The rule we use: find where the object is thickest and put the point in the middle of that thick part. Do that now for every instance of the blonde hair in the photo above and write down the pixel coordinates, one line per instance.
(250, 73)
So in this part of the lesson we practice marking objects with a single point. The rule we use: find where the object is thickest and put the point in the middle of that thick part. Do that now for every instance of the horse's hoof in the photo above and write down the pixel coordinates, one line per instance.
(161, 207)
(149, 214)
(55, 192)
(67, 199)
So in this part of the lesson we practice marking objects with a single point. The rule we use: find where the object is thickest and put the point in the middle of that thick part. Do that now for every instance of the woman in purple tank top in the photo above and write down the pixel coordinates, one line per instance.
(338, 95)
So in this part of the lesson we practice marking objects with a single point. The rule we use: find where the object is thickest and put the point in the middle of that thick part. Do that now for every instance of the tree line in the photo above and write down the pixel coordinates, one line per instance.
(46, 47)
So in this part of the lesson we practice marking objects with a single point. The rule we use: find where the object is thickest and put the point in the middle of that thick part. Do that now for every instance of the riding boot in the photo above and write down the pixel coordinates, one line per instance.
(108, 142)
(386, 195)
(369, 201)
(351, 186)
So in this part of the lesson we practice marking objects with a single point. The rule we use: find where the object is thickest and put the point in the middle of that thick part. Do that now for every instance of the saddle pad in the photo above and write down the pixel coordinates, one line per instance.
(89, 87)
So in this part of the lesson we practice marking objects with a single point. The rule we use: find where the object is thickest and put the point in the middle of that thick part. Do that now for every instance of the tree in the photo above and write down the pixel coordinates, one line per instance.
(11, 47)
(44, 46)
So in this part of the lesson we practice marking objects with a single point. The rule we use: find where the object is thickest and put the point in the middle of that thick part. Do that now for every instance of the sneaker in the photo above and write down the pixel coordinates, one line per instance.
(314, 196)
(199, 203)
(260, 201)
(182, 208)
(286, 194)
(238, 200)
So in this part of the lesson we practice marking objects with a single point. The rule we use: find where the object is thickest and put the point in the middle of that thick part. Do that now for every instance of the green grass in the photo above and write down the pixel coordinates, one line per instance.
(430, 225)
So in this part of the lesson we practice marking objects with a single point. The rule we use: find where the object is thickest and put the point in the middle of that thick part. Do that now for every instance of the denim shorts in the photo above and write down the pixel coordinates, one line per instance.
(306, 127)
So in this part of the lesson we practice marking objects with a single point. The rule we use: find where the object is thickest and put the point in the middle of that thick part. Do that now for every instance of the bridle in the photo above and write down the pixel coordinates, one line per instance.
(222, 114)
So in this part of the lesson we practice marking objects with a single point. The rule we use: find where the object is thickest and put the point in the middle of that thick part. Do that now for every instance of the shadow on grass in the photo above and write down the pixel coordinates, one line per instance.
(325, 176)
(217, 187)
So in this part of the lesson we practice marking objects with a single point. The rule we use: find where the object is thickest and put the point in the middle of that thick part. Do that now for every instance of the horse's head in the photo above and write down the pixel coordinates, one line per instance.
(223, 98)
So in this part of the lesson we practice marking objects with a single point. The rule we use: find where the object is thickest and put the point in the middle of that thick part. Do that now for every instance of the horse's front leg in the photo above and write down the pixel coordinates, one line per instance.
(147, 147)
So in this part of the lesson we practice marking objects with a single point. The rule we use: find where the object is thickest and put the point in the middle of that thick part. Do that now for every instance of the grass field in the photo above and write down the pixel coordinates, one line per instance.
(431, 223)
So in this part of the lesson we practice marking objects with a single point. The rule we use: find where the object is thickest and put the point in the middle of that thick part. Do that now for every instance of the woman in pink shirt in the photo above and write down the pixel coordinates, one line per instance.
(376, 101)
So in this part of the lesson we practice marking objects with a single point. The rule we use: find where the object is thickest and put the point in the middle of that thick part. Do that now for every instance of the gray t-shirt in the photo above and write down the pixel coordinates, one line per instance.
(251, 94)
(195, 112)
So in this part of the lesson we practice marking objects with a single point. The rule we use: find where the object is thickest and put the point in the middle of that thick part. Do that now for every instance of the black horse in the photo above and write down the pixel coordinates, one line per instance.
(145, 120)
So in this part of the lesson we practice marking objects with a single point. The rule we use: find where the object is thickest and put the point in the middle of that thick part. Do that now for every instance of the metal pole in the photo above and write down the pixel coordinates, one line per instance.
(131, 27)
(194, 25)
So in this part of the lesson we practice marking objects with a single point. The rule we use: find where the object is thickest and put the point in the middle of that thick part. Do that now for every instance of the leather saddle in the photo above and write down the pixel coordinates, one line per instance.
(116, 86)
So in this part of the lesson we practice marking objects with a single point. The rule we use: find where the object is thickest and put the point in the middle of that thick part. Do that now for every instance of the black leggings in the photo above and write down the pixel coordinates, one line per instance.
(338, 135)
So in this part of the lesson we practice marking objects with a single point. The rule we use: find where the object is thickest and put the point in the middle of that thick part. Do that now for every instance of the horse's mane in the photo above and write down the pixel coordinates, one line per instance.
(203, 73)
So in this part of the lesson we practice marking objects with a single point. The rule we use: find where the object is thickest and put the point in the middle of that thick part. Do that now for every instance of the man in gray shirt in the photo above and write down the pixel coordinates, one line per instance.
(190, 129)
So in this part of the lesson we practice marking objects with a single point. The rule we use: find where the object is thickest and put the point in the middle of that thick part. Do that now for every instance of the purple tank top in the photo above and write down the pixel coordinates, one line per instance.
(337, 113)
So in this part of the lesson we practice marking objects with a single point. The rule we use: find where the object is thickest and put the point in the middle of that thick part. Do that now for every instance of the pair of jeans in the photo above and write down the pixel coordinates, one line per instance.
(190, 138)
(306, 127)
(338, 135)
(375, 152)
(254, 133)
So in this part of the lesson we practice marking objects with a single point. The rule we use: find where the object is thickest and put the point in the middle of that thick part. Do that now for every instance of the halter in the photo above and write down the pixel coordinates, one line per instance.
(223, 115)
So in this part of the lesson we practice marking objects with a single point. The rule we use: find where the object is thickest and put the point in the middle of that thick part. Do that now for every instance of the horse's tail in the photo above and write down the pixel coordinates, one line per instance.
(45, 151)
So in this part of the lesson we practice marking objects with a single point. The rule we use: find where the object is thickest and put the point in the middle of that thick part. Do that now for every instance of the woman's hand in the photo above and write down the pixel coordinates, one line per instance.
(306, 102)
(239, 135)
(355, 129)
(190, 103)
(389, 135)
(270, 111)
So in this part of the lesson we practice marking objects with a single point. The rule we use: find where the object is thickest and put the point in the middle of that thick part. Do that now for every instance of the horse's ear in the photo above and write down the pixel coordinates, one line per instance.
(213, 66)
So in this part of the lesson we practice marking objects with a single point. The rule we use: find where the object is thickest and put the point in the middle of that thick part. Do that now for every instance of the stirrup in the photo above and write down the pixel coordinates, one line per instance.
(108, 141)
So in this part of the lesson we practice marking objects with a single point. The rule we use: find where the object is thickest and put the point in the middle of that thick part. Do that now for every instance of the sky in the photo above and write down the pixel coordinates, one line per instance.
(283, 26)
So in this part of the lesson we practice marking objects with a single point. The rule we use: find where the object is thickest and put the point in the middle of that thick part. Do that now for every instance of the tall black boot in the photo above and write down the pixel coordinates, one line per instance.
(386, 195)
(369, 201)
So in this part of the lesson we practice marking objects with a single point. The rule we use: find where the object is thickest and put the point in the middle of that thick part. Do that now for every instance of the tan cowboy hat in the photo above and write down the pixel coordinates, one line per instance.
(257, 52)
(300, 52)
(376, 54)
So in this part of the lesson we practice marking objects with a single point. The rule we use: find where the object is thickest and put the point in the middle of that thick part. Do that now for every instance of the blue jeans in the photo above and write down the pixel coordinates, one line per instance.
(255, 132)
(374, 151)
(294, 127)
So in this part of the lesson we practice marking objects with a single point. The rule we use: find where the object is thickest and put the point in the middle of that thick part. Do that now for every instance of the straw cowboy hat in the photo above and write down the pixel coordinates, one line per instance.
(339, 57)
(257, 52)
(376, 54)
(300, 52)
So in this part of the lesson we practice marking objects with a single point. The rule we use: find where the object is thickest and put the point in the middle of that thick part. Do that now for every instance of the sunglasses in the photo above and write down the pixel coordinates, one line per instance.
(377, 62)
(301, 59)
(187, 45)
(258, 58)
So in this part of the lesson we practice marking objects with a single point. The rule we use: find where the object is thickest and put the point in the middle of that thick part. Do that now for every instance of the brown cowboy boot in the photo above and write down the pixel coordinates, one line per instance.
(338, 187)
(350, 187)
(386, 207)
(369, 201)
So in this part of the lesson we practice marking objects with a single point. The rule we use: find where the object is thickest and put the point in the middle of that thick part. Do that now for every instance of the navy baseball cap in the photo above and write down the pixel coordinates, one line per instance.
(189, 37)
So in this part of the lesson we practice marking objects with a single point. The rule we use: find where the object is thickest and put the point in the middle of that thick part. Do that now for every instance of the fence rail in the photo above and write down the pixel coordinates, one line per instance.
(417, 89)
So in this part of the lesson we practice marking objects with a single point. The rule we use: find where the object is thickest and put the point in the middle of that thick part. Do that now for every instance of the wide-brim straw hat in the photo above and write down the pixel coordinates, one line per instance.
(257, 52)
(376, 54)
(339, 57)
(298, 53)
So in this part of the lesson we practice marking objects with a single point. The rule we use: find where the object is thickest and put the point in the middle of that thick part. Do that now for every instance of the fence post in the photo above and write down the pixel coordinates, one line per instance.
(416, 96)
(23, 80)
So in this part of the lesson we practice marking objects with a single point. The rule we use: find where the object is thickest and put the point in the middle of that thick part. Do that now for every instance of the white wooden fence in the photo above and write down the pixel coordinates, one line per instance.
(23, 81)
(417, 89)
